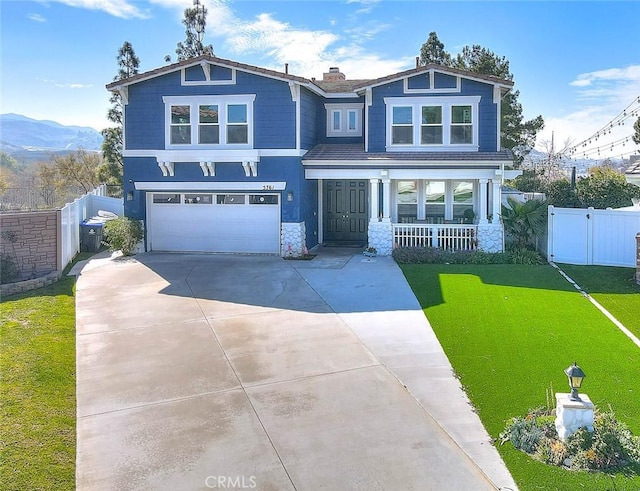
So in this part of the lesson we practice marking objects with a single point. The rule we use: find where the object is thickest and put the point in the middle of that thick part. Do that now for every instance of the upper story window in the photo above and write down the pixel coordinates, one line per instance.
(210, 121)
(442, 123)
(344, 119)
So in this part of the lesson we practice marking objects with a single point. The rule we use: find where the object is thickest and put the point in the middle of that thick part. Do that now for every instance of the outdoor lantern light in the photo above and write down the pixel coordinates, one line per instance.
(290, 196)
(576, 376)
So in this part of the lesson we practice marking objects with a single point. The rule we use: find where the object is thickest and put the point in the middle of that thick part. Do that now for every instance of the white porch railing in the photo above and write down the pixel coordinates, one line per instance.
(444, 236)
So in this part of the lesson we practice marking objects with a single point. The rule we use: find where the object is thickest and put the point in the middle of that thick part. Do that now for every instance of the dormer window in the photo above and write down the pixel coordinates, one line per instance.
(344, 119)
(442, 123)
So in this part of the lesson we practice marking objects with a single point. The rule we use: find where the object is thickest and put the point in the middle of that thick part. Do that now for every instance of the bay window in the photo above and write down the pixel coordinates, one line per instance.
(180, 124)
(431, 131)
(209, 126)
(402, 125)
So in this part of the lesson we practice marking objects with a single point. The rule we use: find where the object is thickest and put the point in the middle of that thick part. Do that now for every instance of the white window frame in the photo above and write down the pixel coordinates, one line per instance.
(344, 111)
(417, 103)
(222, 102)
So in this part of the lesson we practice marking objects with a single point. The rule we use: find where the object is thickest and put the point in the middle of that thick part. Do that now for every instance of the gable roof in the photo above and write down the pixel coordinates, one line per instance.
(481, 77)
(204, 59)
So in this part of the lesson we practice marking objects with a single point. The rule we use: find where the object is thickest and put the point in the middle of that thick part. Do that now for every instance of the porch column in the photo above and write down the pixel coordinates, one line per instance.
(373, 213)
(483, 200)
(497, 200)
(386, 200)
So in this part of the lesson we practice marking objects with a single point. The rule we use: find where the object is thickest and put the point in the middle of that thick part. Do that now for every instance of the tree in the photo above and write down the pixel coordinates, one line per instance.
(195, 22)
(111, 169)
(636, 129)
(605, 187)
(75, 170)
(524, 221)
(432, 51)
(560, 193)
(516, 134)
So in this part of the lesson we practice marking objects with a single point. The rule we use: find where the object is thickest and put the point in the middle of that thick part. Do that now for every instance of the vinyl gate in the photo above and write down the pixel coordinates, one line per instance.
(590, 236)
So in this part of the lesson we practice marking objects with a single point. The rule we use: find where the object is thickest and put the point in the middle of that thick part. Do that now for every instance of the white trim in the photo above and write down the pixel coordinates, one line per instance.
(222, 155)
(446, 103)
(432, 90)
(179, 186)
(206, 68)
(194, 102)
(493, 164)
(402, 174)
(343, 110)
(368, 97)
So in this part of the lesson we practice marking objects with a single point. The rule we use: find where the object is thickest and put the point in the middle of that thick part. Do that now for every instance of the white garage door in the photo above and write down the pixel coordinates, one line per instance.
(214, 222)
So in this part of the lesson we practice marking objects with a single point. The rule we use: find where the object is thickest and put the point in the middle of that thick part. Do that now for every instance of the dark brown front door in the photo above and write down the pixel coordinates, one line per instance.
(345, 211)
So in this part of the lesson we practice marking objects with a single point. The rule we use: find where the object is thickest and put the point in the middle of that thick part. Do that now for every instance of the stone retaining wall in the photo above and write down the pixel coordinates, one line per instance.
(25, 286)
(638, 258)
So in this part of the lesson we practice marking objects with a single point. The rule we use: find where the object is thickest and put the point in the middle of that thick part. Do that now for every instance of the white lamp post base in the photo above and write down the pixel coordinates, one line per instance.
(573, 415)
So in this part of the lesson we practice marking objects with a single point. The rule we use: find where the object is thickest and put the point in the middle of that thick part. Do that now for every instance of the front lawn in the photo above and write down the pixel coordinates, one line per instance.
(509, 332)
(614, 288)
(37, 389)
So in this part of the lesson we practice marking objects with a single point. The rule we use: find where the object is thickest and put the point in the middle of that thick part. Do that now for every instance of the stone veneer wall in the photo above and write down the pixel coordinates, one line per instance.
(35, 249)
(25, 286)
(490, 237)
(293, 239)
(380, 236)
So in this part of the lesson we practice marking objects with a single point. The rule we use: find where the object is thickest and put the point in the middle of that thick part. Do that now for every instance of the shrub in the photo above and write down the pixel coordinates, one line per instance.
(123, 234)
(523, 255)
(610, 446)
(8, 269)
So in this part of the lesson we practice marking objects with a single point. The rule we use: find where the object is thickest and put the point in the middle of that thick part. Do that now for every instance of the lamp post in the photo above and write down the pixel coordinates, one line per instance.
(572, 411)
(576, 376)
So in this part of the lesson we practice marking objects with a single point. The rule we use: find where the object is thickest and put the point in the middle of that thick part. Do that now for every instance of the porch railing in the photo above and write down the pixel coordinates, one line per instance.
(444, 236)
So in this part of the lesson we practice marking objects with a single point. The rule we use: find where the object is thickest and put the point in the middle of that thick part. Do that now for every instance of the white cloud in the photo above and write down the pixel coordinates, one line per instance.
(67, 85)
(309, 53)
(600, 97)
(36, 18)
(117, 8)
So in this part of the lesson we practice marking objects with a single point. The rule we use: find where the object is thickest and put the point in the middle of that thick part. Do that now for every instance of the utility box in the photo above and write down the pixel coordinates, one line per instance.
(91, 234)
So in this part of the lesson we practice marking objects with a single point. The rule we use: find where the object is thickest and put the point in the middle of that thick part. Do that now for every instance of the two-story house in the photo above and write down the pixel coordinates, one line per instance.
(221, 156)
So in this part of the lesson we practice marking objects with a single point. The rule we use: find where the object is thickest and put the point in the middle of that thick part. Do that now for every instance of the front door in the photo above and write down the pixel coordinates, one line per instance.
(345, 211)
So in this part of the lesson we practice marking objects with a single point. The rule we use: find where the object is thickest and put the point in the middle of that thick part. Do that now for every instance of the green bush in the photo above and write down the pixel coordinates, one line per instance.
(8, 269)
(432, 255)
(610, 446)
(122, 234)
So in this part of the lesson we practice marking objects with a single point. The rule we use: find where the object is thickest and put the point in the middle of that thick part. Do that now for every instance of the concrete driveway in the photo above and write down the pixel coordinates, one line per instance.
(252, 372)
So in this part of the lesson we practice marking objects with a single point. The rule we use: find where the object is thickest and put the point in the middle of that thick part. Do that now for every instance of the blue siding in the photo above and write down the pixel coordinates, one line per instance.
(194, 74)
(309, 104)
(444, 81)
(322, 122)
(273, 110)
(487, 119)
(219, 72)
(421, 81)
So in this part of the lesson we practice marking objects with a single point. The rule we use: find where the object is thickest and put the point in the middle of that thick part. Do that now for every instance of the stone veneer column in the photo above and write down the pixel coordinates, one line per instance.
(381, 237)
(293, 239)
(490, 237)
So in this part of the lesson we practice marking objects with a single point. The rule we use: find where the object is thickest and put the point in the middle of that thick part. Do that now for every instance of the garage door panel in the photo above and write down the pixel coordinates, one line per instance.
(253, 228)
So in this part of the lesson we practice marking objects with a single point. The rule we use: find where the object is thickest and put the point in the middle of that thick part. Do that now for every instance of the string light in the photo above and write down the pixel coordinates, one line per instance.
(586, 148)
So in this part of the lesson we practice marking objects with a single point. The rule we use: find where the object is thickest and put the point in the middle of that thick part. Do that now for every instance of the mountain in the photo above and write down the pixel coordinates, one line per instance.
(19, 134)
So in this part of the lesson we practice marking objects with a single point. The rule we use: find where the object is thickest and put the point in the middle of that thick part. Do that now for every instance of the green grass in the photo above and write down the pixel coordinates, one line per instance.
(614, 288)
(37, 389)
(509, 332)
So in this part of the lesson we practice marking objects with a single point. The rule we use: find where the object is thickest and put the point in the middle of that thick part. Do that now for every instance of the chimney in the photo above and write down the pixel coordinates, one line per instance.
(334, 75)
(417, 62)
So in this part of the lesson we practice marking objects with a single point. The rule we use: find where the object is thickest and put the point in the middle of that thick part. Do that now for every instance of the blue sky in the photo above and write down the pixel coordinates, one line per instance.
(575, 63)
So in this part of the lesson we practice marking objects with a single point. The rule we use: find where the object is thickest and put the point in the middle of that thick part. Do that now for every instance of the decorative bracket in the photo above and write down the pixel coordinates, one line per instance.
(166, 168)
(250, 169)
(208, 168)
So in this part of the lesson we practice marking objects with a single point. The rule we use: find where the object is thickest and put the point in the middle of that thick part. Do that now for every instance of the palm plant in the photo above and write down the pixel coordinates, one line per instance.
(524, 221)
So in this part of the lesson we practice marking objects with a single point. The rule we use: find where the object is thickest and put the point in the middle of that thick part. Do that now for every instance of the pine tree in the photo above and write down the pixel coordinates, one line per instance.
(432, 51)
(111, 169)
(636, 129)
(195, 22)
(516, 134)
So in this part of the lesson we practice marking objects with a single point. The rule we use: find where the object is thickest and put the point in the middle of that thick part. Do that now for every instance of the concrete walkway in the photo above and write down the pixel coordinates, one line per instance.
(251, 372)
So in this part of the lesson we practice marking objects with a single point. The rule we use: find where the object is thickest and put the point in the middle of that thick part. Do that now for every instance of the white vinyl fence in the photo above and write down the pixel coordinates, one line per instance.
(590, 236)
(72, 215)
